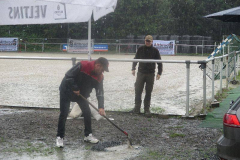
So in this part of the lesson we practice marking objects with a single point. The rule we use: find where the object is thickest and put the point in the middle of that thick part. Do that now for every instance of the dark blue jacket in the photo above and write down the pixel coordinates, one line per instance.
(145, 52)
(81, 77)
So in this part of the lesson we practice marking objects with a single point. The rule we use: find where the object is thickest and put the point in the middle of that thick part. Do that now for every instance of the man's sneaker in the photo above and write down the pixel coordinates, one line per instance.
(91, 139)
(135, 111)
(59, 142)
(147, 113)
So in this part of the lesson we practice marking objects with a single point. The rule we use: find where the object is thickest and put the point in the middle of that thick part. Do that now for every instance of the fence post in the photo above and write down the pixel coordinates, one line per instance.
(176, 49)
(235, 73)
(74, 61)
(223, 50)
(221, 69)
(42, 47)
(203, 65)
(89, 39)
(213, 75)
(228, 49)
(187, 87)
(227, 72)
(237, 65)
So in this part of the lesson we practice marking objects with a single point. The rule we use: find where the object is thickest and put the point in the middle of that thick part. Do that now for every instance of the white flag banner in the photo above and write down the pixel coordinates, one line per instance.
(164, 47)
(94, 3)
(15, 12)
(100, 7)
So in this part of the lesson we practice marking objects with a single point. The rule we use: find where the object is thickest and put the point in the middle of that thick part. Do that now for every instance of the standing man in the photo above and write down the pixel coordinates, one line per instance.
(81, 79)
(145, 74)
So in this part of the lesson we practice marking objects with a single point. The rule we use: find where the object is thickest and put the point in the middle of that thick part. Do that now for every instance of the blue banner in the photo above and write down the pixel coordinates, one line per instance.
(100, 48)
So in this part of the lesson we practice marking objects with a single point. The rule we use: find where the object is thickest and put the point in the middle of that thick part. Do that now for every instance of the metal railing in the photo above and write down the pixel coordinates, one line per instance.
(203, 64)
(115, 47)
(235, 70)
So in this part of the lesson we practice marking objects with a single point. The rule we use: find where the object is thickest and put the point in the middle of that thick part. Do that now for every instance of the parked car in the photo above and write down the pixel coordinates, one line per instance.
(228, 145)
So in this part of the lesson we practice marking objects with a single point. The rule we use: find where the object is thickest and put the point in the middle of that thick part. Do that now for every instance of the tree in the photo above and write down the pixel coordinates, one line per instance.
(140, 17)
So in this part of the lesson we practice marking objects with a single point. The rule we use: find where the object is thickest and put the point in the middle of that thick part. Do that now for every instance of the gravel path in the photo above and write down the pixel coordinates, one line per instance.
(30, 134)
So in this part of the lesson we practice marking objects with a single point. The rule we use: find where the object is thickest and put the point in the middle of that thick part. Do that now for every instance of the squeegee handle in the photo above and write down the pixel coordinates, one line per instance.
(104, 115)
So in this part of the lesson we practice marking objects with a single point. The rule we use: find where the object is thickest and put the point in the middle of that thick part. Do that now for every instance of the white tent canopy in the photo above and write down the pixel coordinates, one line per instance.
(96, 3)
(98, 7)
(15, 12)
(20, 12)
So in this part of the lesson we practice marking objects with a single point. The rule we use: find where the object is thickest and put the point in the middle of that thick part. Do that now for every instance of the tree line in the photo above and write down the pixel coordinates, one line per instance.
(141, 17)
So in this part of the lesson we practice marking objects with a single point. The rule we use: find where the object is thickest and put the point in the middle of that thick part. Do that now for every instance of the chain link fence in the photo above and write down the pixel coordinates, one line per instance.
(184, 45)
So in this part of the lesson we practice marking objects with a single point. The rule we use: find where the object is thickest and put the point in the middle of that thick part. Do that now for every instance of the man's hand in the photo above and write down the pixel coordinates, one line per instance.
(158, 77)
(77, 92)
(101, 112)
(133, 72)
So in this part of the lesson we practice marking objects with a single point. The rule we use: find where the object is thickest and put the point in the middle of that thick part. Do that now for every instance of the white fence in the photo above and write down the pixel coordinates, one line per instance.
(130, 48)
(188, 65)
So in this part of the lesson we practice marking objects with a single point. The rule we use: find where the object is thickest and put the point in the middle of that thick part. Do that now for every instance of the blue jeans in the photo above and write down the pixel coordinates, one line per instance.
(64, 110)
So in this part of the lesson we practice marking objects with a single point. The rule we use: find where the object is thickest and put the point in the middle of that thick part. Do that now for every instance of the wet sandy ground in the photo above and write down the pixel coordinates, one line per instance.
(30, 134)
(27, 134)
(34, 83)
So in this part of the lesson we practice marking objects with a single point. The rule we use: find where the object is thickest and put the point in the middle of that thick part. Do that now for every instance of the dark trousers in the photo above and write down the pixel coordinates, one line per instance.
(64, 110)
(142, 79)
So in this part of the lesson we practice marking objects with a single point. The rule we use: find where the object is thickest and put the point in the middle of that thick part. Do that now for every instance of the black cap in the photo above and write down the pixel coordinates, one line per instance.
(104, 62)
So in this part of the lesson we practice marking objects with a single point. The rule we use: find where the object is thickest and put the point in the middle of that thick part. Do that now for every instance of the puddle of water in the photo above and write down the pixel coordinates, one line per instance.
(6, 111)
(117, 153)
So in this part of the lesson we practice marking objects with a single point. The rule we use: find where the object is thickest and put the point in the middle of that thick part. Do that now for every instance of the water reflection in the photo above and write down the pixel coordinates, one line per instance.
(60, 154)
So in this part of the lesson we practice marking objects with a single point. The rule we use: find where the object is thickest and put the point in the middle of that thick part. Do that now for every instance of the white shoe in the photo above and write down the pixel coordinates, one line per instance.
(59, 142)
(91, 139)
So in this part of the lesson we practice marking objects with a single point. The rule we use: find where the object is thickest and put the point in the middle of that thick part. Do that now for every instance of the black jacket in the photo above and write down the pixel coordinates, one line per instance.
(145, 52)
(80, 77)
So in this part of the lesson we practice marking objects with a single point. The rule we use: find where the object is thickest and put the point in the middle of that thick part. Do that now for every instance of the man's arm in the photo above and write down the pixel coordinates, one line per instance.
(100, 95)
(160, 66)
(134, 67)
(100, 98)
(135, 63)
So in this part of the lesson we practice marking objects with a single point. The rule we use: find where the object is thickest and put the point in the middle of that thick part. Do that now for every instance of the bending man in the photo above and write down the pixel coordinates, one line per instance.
(81, 79)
